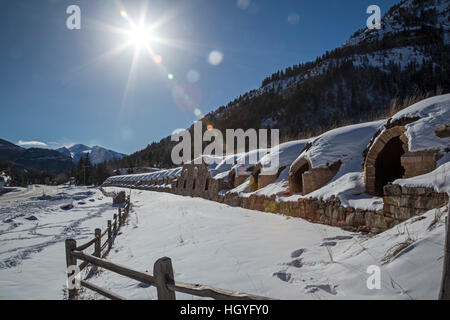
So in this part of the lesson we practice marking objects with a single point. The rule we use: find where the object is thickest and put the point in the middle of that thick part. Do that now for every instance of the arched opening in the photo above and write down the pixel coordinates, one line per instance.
(207, 184)
(296, 176)
(388, 166)
(184, 185)
(254, 178)
(231, 179)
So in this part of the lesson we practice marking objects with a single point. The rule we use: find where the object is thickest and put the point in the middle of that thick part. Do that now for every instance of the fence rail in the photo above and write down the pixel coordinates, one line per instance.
(162, 278)
(111, 232)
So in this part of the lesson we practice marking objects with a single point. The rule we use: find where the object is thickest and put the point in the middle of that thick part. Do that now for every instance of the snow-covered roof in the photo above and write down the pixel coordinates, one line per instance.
(286, 153)
(157, 175)
(432, 112)
(345, 144)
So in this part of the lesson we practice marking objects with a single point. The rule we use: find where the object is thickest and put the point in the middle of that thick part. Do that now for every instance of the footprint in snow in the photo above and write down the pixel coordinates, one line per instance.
(329, 244)
(283, 276)
(328, 288)
(297, 263)
(338, 238)
(297, 253)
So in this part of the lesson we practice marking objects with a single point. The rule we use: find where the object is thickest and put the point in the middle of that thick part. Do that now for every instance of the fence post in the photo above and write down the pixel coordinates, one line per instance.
(163, 273)
(115, 224)
(98, 242)
(120, 217)
(444, 293)
(109, 235)
(71, 245)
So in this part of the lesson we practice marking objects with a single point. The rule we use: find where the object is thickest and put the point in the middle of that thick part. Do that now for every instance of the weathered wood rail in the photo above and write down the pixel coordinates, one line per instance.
(111, 194)
(100, 249)
(162, 278)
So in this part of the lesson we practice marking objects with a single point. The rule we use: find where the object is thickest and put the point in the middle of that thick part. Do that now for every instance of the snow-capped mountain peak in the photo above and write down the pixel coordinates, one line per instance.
(97, 154)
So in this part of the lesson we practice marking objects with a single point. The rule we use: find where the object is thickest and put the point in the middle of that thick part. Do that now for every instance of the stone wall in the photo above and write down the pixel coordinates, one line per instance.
(195, 180)
(316, 178)
(402, 203)
(329, 212)
(266, 179)
(418, 163)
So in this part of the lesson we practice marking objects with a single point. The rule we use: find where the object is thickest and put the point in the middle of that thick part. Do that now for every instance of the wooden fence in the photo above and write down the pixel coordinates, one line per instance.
(100, 249)
(162, 278)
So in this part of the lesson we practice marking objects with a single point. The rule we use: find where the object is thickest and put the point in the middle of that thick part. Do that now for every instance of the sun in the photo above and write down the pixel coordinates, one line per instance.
(144, 38)
(140, 35)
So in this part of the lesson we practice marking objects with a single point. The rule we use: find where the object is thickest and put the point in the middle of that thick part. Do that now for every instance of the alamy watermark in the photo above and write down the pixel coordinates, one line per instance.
(374, 21)
(236, 142)
(374, 280)
(73, 278)
(73, 22)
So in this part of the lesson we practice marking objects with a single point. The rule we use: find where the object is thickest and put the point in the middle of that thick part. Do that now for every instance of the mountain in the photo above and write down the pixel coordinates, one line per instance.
(97, 154)
(370, 74)
(35, 158)
(9, 150)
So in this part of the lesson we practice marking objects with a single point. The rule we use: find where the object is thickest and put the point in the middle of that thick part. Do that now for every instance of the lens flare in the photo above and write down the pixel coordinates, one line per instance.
(197, 112)
(215, 57)
(293, 18)
(170, 76)
(123, 13)
(193, 76)
(209, 127)
(157, 58)
(243, 4)
(186, 96)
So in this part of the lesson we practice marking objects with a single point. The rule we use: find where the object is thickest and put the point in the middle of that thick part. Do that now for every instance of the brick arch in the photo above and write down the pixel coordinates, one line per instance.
(295, 174)
(383, 161)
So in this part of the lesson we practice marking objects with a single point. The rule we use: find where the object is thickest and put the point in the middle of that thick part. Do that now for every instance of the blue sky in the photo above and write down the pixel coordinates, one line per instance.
(60, 86)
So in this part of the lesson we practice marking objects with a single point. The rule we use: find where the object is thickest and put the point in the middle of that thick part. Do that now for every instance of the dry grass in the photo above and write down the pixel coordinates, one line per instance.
(437, 217)
(417, 219)
(397, 105)
(330, 254)
(398, 247)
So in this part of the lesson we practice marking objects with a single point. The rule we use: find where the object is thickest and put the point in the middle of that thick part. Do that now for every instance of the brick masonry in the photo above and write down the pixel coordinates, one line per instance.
(414, 163)
(400, 203)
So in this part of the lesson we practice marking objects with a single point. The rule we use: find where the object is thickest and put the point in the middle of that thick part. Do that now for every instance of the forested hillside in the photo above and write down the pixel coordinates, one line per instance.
(373, 72)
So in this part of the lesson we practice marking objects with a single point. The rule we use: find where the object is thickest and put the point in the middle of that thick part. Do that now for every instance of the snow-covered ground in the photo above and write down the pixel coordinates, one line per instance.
(214, 244)
(271, 255)
(33, 227)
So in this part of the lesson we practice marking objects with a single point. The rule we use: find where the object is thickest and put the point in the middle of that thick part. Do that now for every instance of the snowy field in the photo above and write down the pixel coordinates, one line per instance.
(33, 227)
(214, 244)
(271, 255)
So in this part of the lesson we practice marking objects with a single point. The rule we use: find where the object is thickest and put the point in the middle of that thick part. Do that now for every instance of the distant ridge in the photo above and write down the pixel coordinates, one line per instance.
(35, 158)
(97, 154)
